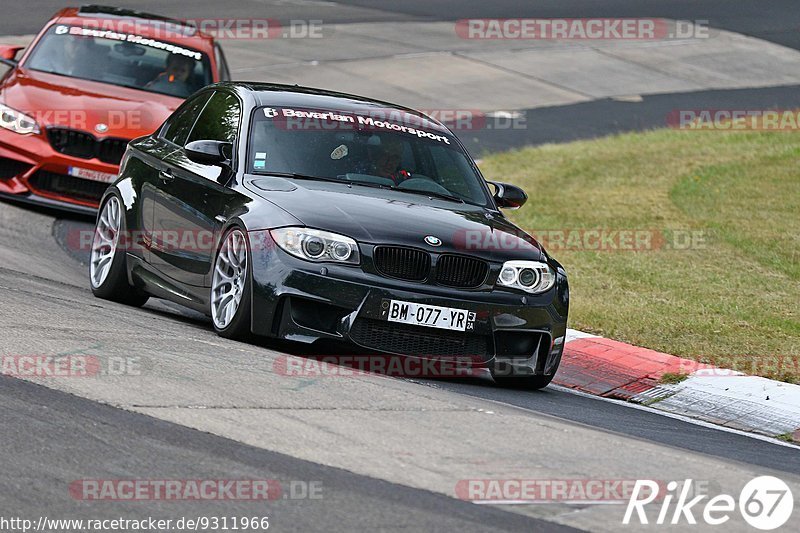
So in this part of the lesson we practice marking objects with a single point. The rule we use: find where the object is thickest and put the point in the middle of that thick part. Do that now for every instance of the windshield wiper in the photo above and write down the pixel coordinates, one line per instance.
(297, 176)
(368, 184)
(441, 195)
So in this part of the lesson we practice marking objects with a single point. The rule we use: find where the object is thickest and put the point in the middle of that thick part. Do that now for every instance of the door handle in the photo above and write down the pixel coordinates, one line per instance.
(166, 175)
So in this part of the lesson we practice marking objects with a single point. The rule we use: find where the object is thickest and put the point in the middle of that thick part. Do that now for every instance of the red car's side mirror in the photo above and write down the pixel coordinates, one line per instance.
(8, 54)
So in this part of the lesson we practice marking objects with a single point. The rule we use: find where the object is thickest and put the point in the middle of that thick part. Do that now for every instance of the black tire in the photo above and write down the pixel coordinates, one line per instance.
(524, 382)
(239, 327)
(115, 286)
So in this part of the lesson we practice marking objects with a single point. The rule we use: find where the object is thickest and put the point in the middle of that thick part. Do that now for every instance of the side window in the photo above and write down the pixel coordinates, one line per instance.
(180, 123)
(219, 121)
(451, 171)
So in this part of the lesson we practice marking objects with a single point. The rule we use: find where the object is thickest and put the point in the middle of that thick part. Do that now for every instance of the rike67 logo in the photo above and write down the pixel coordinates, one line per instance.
(765, 503)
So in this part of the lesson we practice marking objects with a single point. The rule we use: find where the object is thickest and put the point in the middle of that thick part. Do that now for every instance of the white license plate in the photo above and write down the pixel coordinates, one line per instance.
(93, 175)
(431, 316)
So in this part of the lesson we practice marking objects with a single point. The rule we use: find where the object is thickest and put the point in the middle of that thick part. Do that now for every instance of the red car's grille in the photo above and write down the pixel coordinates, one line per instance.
(461, 271)
(68, 185)
(111, 150)
(86, 146)
(9, 168)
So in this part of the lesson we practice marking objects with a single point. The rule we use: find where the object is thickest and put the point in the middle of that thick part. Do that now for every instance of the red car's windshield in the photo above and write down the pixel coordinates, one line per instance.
(121, 59)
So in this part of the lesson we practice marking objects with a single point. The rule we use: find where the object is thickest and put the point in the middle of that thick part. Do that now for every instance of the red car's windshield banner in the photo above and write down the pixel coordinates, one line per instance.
(136, 39)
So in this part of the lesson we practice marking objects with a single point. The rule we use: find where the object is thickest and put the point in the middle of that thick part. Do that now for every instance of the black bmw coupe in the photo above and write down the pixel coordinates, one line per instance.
(304, 214)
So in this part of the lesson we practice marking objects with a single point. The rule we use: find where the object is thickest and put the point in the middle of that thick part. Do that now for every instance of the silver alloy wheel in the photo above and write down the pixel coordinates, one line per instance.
(104, 244)
(230, 275)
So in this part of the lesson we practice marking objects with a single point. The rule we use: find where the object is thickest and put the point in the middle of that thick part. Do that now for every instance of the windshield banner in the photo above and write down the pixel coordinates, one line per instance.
(130, 38)
(372, 119)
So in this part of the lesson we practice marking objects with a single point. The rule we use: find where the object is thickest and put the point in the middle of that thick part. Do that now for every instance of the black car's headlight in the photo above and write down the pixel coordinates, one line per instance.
(18, 122)
(530, 276)
(317, 245)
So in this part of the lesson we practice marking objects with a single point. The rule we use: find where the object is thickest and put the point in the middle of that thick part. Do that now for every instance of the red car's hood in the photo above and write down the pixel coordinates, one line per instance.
(83, 105)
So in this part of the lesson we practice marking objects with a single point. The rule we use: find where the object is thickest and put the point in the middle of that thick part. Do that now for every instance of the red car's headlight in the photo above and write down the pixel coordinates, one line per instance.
(18, 122)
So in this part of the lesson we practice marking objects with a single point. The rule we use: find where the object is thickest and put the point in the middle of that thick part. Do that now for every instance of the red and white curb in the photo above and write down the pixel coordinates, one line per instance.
(612, 369)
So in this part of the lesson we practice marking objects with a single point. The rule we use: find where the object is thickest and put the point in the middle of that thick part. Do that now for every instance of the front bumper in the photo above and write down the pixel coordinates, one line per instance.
(513, 332)
(32, 171)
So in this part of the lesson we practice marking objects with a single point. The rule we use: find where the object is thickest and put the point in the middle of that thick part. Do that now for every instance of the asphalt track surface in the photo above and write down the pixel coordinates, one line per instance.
(53, 436)
(60, 435)
(608, 116)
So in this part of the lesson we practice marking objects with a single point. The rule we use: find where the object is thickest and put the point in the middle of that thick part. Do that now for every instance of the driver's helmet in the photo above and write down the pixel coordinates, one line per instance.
(385, 155)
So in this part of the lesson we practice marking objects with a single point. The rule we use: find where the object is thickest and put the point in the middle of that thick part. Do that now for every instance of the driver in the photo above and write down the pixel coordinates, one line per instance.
(385, 160)
(175, 79)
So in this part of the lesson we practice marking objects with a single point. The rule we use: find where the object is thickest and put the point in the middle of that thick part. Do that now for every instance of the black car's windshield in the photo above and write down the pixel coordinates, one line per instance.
(400, 151)
(121, 59)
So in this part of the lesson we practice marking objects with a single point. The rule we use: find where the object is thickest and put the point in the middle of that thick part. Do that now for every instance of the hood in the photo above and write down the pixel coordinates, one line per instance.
(382, 216)
(59, 101)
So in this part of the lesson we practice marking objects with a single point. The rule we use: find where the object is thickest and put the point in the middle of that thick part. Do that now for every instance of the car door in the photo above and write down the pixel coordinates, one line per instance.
(191, 197)
(151, 162)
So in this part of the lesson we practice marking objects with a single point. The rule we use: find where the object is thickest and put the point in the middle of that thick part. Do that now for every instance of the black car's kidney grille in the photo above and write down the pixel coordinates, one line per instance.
(86, 146)
(68, 185)
(406, 339)
(402, 263)
(414, 265)
(461, 271)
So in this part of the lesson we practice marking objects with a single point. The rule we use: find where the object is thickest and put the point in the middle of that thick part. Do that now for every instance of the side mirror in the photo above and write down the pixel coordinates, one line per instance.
(216, 153)
(508, 196)
(8, 54)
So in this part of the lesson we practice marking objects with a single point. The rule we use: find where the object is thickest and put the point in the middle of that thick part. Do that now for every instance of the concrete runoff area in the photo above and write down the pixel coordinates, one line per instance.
(426, 65)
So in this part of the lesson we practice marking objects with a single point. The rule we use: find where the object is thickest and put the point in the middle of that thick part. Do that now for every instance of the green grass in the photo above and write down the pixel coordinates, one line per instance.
(731, 299)
(673, 378)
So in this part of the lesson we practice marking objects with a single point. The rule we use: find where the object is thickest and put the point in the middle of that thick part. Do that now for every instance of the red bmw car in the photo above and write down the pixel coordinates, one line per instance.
(93, 79)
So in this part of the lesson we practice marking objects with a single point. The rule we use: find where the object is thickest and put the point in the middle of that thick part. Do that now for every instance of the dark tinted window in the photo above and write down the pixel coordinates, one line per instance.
(397, 150)
(450, 166)
(180, 123)
(219, 121)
